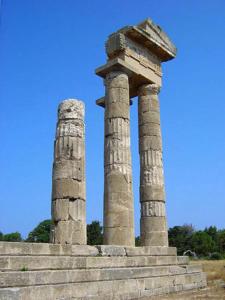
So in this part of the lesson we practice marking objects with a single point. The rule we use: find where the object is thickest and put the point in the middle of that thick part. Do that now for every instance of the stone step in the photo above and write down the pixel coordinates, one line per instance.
(29, 263)
(21, 248)
(107, 290)
(31, 278)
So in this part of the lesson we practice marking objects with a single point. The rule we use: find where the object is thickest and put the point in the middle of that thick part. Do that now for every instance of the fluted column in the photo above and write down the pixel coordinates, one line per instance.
(118, 193)
(68, 179)
(153, 231)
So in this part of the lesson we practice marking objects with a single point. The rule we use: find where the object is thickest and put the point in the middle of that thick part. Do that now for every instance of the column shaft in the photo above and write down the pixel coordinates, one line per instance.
(68, 183)
(118, 193)
(153, 231)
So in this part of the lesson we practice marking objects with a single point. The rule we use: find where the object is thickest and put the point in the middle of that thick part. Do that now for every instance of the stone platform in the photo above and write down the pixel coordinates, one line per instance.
(50, 271)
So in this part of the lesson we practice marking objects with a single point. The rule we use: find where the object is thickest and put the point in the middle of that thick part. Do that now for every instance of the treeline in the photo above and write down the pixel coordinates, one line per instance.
(208, 243)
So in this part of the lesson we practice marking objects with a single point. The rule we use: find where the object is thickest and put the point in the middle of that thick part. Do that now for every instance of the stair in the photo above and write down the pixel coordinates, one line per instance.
(46, 271)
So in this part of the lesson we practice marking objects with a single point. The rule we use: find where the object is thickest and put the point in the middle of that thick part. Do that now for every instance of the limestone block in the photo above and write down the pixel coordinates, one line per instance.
(69, 147)
(73, 169)
(77, 210)
(68, 188)
(149, 117)
(84, 250)
(106, 250)
(118, 127)
(116, 182)
(151, 250)
(116, 79)
(70, 109)
(152, 224)
(60, 210)
(183, 260)
(149, 129)
(153, 209)
(148, 104)
(118, 216)
(117, 95)
(152, 176)
(150, 158)
(70, 232)
(150, 142)
(152, 193)
(71, 127)
(154, 238)
(123, 236)
(118, 109)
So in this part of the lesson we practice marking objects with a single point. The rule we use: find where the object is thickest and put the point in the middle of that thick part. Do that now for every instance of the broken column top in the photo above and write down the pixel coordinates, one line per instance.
(71, 109)
(139, 52)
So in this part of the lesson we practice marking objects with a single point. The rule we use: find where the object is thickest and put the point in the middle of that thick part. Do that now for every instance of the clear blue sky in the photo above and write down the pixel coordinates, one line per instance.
(49, 51)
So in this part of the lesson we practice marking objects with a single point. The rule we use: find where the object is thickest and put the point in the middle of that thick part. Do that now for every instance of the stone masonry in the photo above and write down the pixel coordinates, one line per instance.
(136, 53)
(118, 194)
(153, 225)
(68, 179)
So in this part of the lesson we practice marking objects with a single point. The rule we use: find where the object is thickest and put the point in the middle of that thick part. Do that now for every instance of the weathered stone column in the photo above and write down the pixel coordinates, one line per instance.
(68, 183)
(152, 195)
(118, 193)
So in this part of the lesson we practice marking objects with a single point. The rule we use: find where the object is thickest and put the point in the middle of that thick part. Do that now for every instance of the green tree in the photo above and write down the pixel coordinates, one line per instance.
(41, 233)
(180, 237)
(94, 233)
(1, 236)
(202, 243)
(12, 237)
(137, 241)
(221, 241)
(212, 231)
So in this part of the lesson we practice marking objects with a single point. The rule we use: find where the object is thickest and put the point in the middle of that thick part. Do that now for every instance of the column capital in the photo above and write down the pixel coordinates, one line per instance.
(148, 89)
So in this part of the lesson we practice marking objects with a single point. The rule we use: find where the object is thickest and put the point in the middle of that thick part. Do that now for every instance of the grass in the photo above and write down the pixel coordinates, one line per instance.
(215, 269)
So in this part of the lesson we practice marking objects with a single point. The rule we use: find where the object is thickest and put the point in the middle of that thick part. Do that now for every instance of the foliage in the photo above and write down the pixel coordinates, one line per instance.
(221, 241)
(206, 243)
(180, 236)
(202, 243)
(215, 256)
(94, 233)
(137, 241)
(41, 233)
(12, 237)
(1, 236)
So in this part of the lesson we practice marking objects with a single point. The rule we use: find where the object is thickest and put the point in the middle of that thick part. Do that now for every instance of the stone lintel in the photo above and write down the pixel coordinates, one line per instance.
(137, 76)
(152, 37)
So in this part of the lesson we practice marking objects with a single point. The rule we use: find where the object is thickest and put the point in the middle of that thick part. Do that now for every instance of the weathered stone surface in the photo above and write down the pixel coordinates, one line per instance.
(118, 110)
(68, 183)
(68, 188)
(146, 130)
(118, 194)
(71, 109)
(152, 194)
(157, 238)
(70, 232)
(16, 279)
(150, 250)
(147, 143)
(72, 169)
(105, 250)
(60, 210)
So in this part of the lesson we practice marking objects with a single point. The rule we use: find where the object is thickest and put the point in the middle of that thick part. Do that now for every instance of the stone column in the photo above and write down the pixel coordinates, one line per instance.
(118, 193)
(68, 183)
(152, 195)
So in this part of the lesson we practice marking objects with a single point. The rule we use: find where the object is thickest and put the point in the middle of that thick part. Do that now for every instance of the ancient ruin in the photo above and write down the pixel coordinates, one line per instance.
(68, 179)
(67, 268)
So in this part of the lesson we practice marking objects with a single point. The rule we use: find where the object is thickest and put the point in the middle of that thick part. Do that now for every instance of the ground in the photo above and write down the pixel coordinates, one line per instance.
(215, 270)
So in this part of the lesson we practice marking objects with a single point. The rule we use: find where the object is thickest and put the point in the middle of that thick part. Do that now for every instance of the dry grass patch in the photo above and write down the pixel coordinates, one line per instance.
(215, 269)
